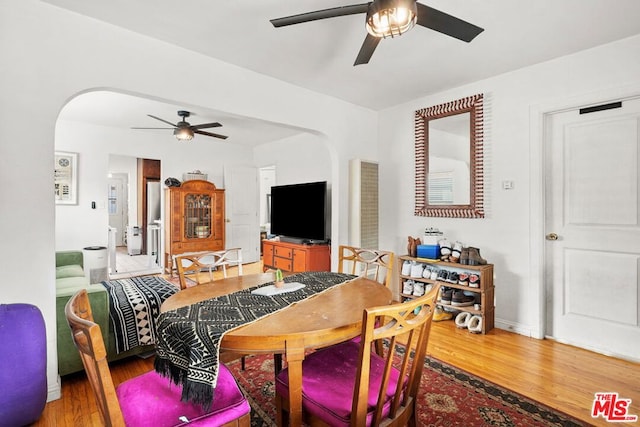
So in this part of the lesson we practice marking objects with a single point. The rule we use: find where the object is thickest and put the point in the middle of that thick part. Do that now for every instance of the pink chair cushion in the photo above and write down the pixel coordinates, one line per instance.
(329, 379)
(152, 400)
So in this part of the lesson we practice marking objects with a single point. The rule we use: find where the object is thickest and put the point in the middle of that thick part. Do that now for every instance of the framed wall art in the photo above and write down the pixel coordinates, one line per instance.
(66, 178)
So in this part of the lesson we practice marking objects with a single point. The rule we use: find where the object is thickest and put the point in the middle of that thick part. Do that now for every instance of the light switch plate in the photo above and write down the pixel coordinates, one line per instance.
(507, 185)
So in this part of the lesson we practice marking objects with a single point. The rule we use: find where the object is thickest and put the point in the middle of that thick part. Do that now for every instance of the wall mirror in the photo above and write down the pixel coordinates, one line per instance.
(449, 159)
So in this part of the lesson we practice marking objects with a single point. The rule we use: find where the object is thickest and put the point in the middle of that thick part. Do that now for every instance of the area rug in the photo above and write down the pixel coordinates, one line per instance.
(175, 280)
(447, 397)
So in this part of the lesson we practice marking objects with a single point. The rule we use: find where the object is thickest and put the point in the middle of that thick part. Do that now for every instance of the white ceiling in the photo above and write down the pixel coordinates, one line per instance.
(319, 55)
(125, 111)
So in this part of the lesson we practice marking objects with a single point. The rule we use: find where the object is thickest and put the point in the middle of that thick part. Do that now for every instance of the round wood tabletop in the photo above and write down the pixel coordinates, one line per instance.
(326, 318)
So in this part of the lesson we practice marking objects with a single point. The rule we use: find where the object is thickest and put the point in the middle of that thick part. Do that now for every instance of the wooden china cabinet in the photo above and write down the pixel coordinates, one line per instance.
(195, 219)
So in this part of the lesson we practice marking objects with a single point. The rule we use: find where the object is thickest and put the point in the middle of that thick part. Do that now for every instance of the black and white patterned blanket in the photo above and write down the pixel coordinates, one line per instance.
(188, 338)
(134, 305)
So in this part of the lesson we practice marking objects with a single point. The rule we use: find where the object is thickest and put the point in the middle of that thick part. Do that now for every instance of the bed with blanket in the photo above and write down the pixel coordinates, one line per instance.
(125, 309)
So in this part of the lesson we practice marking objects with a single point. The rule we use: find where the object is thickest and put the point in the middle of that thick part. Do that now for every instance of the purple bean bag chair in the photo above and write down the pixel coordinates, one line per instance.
(23, 364)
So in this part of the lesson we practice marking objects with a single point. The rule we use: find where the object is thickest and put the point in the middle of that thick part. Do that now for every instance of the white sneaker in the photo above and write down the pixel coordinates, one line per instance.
(406, 268)
(426, 273)
(418, 289)
(407, 287)
(416, 269)
(434, 274)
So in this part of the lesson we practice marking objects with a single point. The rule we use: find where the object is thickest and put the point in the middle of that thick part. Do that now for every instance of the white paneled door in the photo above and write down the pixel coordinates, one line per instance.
(241, 193)
(593, 229)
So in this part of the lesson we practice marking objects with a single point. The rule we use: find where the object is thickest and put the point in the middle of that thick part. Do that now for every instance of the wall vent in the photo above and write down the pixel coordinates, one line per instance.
(363, 204)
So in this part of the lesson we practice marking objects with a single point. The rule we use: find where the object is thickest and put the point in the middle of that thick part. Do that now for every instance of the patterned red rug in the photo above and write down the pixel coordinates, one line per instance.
(176, 280)
(447, 397)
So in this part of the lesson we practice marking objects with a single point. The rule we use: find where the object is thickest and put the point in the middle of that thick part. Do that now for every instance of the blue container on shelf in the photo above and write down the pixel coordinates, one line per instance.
(428, 251)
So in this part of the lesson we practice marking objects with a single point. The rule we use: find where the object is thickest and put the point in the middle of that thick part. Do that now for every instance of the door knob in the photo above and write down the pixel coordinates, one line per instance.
(552, 236)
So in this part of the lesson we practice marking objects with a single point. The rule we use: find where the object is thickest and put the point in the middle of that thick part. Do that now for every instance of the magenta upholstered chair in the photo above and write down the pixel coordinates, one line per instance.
(23, 364)
(348, 384)
(149, 399)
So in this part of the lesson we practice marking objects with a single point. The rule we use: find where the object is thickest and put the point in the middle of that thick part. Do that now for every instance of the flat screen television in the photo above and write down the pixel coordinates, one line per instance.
(298, 212)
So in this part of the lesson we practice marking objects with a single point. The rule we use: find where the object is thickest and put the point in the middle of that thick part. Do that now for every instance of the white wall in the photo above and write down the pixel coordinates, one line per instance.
(290, 156)
(303, 158)
(49, 56)
(505, 234)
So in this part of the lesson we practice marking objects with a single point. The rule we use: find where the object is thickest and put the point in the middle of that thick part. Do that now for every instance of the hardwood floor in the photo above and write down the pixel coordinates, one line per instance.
(555, 374)
(558, 375)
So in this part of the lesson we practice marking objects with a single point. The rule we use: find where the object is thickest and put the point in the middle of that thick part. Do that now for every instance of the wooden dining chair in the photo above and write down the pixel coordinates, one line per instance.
(372, 263)
(348, 384)
(200, 266)
(149, 399)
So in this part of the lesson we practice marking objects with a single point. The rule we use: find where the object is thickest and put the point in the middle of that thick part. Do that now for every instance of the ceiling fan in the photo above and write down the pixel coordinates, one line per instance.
(390, 18)
(184, 131)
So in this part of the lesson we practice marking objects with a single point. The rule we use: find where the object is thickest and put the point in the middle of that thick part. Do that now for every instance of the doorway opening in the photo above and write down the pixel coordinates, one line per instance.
(267, 176)
(134, 204)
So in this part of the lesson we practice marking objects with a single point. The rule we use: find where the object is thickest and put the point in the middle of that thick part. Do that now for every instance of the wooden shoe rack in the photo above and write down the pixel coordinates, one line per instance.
(484, 294)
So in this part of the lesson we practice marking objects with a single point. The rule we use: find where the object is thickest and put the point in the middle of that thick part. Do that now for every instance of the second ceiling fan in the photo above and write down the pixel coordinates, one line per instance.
(390, 18)
(184, 131)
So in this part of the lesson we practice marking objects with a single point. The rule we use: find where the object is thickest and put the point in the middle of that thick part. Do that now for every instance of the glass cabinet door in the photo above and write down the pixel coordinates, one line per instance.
(197, 208)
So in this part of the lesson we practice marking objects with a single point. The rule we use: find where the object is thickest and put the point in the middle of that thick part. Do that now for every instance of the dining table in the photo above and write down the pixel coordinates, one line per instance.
(325, 318)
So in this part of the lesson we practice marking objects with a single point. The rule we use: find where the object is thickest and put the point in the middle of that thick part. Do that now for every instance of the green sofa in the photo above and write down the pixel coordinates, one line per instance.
(70, 279)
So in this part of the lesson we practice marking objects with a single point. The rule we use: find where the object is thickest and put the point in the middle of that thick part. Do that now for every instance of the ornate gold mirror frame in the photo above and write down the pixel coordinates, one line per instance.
(471, 161)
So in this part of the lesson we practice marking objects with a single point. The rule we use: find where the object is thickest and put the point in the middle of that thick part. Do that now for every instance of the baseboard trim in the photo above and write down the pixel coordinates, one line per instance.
(518, 328)
(54, 391)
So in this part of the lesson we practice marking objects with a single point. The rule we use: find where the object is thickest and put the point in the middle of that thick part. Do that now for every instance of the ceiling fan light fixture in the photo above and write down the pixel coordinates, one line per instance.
(183, 134)
(391, 18)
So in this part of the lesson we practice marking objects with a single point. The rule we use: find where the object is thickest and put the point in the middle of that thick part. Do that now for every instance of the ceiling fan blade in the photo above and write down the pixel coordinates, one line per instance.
(215, 135)
(162, 120)
(446, 24)
(368, 47)
(206, 125)
(321, 14)
(154, 128)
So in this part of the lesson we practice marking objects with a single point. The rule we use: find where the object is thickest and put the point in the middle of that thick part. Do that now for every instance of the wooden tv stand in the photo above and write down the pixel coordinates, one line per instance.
(294, 257)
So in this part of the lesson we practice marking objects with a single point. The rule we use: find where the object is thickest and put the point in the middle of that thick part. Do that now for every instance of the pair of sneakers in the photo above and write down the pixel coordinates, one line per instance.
(430, 273)
(441, 314)
(416, 289)
(469, 279)
(460, 299)
(412, 269)
(413, 288)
